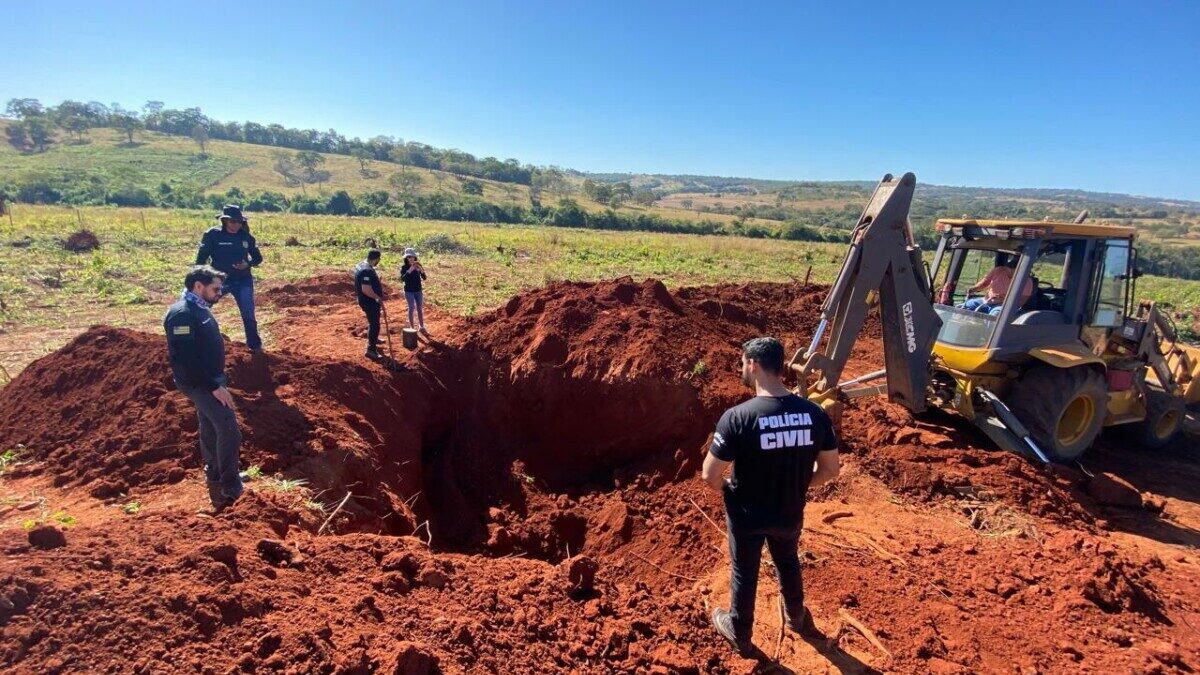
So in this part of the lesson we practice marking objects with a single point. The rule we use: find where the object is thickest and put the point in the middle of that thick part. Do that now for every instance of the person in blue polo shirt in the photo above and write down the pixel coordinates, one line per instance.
(779, 445)
(232, 250)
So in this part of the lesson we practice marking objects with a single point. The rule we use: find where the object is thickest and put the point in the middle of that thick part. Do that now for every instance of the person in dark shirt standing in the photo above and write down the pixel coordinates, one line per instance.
(779, 445)
(231, 249)
(197, 354)
(369, 291)
(413, 275)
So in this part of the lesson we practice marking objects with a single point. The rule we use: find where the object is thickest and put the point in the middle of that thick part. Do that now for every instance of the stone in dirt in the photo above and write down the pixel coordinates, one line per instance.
(579, 573)
(278, 553)
(47, 537)
(411, 659)
(1112, 490)
(222, 553)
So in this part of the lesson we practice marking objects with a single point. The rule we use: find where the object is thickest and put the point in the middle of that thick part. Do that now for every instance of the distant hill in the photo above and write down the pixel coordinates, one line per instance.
(840, 202)
(130, 159)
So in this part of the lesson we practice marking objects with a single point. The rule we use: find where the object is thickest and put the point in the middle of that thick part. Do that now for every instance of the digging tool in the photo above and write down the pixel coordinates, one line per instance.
(387, 328)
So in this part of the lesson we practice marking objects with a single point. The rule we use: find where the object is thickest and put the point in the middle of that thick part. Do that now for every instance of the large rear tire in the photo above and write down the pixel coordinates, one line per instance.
(1063, 408)
(1164, 420)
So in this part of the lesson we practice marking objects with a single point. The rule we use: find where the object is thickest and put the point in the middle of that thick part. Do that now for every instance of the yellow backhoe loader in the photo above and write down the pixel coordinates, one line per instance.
(1051, 350)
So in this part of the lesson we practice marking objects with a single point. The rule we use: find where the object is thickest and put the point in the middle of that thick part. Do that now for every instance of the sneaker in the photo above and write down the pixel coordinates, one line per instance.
(373, 354)
(723, 622)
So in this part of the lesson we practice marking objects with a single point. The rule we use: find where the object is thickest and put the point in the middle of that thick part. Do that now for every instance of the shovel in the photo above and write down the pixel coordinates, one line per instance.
(391, 363)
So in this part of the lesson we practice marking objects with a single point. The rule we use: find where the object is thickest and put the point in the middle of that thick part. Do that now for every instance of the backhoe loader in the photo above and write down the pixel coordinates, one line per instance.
(1042, 366)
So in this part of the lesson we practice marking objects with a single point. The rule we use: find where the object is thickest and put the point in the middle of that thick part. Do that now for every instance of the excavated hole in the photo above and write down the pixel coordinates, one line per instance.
(500, 468)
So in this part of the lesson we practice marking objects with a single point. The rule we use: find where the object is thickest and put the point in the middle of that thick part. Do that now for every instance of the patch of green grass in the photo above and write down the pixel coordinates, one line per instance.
(60, 518)
(254, 472)
(699, 369)
(315, 506)
(132, 507)
(10, 457)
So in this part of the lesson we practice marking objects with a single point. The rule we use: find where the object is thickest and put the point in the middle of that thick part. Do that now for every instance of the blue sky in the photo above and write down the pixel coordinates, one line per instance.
(1092, 95)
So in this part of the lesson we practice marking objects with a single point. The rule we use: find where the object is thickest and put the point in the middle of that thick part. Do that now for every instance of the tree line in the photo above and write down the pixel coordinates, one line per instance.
(35, 124)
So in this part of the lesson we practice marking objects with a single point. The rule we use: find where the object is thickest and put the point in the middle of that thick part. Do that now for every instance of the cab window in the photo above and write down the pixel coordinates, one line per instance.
(1109, 290)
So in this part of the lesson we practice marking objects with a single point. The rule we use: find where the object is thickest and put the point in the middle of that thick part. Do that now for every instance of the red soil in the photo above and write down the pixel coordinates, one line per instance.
(569, 422)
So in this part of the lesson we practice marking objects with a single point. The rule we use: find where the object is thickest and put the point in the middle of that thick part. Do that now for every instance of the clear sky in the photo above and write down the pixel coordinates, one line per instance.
(1094, 95)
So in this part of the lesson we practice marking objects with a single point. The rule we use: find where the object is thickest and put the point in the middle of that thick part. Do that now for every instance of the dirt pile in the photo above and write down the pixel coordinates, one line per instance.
(537, 465)
(117, 424)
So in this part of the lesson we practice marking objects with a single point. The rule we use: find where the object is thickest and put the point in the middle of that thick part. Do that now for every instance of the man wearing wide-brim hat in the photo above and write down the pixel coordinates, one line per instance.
(230, 248)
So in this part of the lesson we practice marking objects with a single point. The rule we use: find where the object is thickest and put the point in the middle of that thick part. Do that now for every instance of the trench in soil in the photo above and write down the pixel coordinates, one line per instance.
(491, 444)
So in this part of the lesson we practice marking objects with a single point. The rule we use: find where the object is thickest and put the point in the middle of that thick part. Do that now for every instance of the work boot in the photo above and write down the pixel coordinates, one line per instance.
(424, 332)
(373, 353)
(724, 625)
(806, 627)
(215, 495)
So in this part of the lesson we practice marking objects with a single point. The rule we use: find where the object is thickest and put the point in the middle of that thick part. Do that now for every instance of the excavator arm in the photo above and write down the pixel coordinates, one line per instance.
(883, 264)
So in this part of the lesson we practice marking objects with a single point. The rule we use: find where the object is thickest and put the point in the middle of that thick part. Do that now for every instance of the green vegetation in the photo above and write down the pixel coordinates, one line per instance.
(10, 457)
(132, 508)
(47, 293)
(92, 154)
(60, 518)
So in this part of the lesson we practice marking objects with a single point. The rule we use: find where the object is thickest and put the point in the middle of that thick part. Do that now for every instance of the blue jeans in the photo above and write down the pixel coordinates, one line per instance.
(242, 291)
(980, 305)
(220, 440)
(745, 551)
(415, 301)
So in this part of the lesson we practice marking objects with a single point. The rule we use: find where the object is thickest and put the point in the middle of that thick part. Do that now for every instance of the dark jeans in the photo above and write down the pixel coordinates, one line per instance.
(242, 291)
(371, 309)
(745, 550)
(220, 440)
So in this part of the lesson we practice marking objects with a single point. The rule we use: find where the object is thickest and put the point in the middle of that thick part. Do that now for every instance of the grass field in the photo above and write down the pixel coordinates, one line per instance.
(48, 293)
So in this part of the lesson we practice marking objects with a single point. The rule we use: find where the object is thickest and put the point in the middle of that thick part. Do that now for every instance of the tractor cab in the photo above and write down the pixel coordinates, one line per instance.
(1003, 288)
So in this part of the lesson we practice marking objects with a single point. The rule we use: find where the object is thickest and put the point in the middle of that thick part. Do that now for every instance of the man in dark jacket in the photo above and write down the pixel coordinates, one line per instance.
(197, 354)
(231, 249)
(780, 445)
(369, 291)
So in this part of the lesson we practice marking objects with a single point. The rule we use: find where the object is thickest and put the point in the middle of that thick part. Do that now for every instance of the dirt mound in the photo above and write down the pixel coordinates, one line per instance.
(323, 290)
(546, 452)
(938, 457)
(117, 424)
(358, 603)
(81, 241)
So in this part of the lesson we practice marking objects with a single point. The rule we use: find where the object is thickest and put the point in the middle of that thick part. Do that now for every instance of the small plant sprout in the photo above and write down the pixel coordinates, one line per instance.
(10, 457)
(254, 472)
(315, 506)
(699, 369)
(132, 507)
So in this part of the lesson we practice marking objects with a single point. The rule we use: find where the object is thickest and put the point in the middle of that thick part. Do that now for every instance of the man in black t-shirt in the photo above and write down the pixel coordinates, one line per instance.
(369, 291)
(773, 442)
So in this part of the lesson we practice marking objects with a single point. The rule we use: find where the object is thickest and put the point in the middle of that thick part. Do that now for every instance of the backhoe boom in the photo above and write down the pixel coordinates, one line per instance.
(883, 264)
